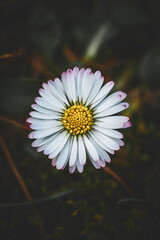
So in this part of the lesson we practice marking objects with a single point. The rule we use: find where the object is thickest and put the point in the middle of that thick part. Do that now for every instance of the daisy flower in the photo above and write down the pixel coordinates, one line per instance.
(73, 118)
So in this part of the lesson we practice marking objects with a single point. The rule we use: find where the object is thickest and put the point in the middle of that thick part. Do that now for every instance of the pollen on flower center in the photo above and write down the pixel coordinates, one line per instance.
(77, 119)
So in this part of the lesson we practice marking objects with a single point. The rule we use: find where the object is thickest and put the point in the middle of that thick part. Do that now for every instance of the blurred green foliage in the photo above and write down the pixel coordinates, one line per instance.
(40, 39)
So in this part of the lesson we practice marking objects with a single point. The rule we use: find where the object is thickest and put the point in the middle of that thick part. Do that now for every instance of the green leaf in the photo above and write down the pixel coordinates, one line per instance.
(37, 201)
(124, 200)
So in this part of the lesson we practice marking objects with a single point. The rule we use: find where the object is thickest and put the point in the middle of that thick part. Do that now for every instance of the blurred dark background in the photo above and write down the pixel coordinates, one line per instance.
(39, 40)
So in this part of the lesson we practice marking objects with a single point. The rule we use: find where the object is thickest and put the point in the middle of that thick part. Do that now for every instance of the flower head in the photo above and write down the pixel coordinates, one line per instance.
(73, 119)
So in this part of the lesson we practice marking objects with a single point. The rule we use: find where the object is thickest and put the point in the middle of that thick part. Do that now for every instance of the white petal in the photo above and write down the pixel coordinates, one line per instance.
(114, 125)
(64, 165)
(79, 167)
(73, 78)
(44, 115)
(54, 160)
(57, 92)
(101, 144)
(113, 99)
(95, 164)
(101, 162)
(127, 124)
(102, 153)
(56, 151)
(109, 132)
(71, 84)
(81, 151)
(44, 133)
(105, 156)
(55, 88)
(72, 169)
(31, 120)
(41, 126)
(59, 85)
(88, 86)
(115, 109)
(66, 85)
(107, 140)
(119, 142)
(103, 92)
(90, 148)
(75, 72)
(63, 156)
(39, 142)
(55, 143)
(47, 87)
(41, 121)
(43, 147)
(41, 109)
(41, 102)
(45, 144)
(79, 82)
(113, 119)
(73, 155)
(85, 77)
(98, 81)
(48, 97)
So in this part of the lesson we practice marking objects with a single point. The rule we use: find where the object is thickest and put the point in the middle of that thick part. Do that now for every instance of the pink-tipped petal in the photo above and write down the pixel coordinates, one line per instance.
(53, 162)
(127, 124)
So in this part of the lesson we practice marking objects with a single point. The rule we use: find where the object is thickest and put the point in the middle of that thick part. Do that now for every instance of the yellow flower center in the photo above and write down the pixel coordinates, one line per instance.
(77, 119)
